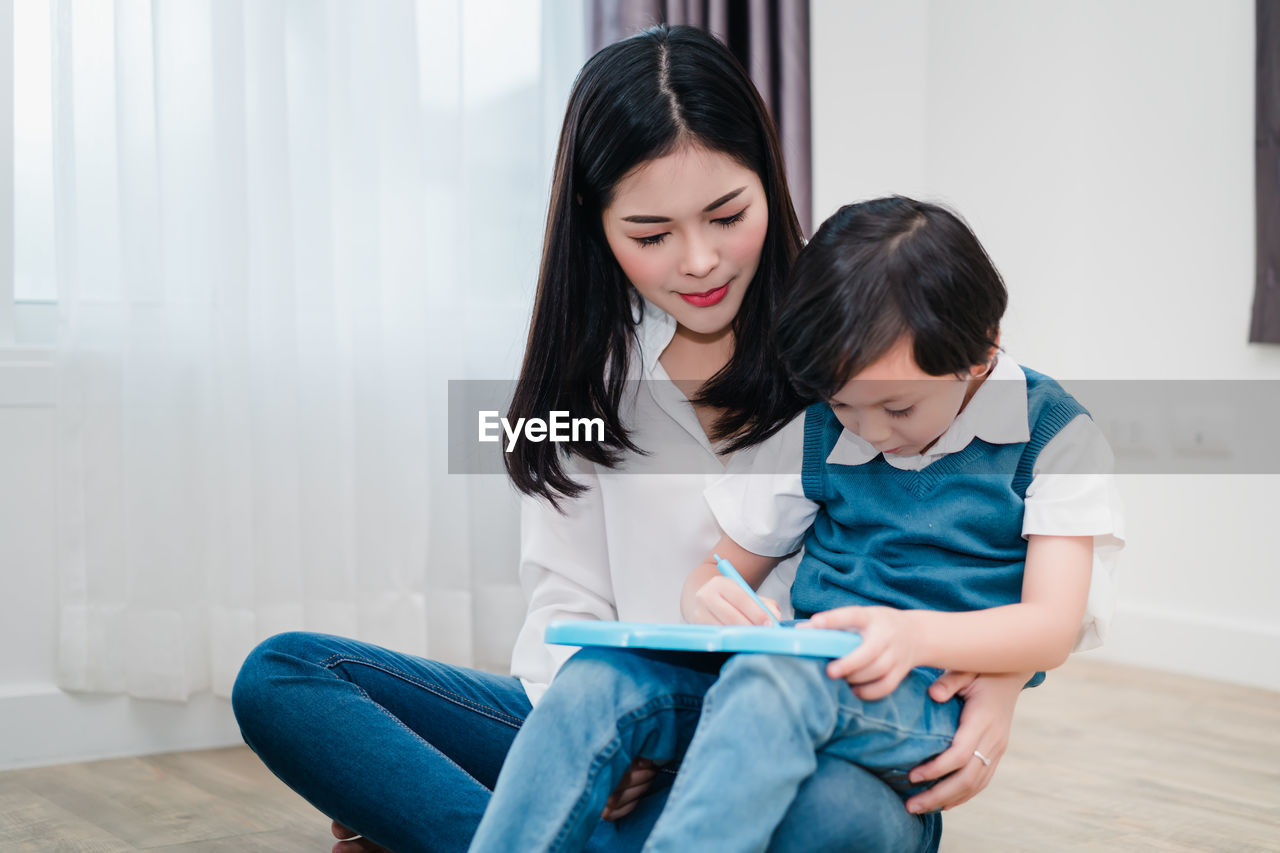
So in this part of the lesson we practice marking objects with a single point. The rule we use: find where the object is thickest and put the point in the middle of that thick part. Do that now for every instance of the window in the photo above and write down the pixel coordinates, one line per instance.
(33, 264)
(28, 286)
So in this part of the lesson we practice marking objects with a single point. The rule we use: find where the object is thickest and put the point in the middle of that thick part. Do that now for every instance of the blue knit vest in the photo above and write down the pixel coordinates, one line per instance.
(948, 537)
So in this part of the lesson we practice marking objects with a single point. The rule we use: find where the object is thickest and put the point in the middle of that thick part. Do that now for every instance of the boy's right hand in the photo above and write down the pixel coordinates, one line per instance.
(720, 601)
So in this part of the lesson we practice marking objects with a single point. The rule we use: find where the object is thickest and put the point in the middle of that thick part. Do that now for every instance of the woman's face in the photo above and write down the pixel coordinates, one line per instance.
(687, 230)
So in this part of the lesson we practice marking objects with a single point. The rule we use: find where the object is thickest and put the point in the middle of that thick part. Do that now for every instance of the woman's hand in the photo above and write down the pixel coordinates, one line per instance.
(883, 658)
(985, 721)
(633, 785)
(720, 601)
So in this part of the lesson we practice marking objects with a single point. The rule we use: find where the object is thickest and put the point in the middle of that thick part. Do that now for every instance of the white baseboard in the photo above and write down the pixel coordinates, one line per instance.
(1239, 652)
(44, 725)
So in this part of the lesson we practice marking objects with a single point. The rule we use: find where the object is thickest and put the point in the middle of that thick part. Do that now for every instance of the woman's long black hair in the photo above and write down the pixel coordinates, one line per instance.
(634, 101)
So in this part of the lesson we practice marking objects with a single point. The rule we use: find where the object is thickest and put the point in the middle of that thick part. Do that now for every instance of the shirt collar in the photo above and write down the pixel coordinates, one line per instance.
(657, 328)
(997, 414)
(655, 331)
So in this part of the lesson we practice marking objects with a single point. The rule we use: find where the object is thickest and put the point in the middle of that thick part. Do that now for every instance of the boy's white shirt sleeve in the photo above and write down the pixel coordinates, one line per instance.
(564, 573)
(760, 502)
(1073, 493)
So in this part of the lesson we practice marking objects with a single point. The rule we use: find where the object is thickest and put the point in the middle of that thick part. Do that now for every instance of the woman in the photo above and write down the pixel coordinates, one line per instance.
(669, 238)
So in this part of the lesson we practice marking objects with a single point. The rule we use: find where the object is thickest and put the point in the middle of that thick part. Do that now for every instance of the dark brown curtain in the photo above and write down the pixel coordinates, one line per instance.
(1266, 298)
(770, 39)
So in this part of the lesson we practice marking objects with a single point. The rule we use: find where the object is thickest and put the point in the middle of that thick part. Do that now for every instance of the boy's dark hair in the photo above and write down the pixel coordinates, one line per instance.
(881, 269)
(634, 101)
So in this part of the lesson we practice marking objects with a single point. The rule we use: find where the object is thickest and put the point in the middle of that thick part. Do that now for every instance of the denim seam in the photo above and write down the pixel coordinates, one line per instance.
(399, 722)
(602, 758)
(679, 783)
(680, 701)
(881, 725)
(448, 695)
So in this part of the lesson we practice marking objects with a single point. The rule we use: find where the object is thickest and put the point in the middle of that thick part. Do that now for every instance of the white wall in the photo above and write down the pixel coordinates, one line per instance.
(1103, 152)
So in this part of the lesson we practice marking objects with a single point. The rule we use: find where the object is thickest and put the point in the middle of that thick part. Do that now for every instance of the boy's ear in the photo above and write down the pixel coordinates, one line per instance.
(983, 369)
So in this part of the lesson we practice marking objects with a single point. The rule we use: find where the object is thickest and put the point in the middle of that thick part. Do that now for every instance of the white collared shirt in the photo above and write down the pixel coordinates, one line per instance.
(623, 548)
(760, 502)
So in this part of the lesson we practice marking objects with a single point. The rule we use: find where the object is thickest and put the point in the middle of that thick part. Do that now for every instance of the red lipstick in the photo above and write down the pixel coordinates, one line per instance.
(708, 298)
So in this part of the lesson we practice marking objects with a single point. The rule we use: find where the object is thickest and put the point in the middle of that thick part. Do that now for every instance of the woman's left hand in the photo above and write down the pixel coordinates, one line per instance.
(985, 721)
(633, 785)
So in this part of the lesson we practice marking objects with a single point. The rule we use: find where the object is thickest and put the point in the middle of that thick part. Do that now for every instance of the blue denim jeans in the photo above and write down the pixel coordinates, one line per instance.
(763, 724)
(406, 751)
(759, 771)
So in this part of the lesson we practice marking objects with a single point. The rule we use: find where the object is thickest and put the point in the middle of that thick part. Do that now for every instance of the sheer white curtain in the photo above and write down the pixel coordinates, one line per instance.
(280, 227)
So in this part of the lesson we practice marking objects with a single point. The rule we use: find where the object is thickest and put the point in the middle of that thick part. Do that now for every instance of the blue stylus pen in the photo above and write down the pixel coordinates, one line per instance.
(726, 568)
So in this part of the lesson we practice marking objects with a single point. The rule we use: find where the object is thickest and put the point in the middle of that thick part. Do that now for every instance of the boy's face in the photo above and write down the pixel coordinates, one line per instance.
(897, 407)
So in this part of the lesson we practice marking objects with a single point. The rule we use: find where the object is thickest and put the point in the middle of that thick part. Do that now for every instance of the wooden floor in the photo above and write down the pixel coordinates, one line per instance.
(1103, 758)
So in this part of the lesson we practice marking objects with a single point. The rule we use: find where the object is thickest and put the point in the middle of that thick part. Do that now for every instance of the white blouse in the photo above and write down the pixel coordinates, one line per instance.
(622, 549)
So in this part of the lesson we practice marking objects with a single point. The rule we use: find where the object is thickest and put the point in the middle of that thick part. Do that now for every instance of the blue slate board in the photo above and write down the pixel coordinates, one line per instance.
(805, 642)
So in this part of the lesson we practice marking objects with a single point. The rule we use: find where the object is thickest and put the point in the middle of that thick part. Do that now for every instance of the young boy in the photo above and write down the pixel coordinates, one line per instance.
(949, 503)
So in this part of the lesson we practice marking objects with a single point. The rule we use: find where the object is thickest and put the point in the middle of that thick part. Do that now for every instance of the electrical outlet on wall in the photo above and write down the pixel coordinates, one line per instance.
(1131, 435)
(1203, 432)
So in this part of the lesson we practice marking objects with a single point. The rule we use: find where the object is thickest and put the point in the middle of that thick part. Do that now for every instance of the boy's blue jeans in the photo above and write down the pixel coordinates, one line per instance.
(406, 751)
(749, 740)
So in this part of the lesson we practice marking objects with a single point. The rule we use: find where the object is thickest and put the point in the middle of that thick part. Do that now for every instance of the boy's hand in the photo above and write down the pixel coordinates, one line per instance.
(885, 656)
(720, 601)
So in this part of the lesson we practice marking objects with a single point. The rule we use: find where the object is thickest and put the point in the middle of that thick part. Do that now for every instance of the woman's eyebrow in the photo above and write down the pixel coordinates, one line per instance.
(645, 219)
(724, 199)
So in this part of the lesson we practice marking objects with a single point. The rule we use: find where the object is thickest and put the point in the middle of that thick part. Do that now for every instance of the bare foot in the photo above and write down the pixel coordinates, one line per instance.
(350, 841)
